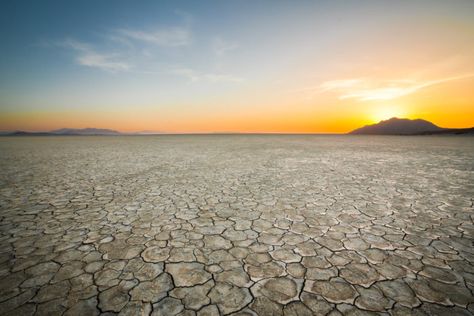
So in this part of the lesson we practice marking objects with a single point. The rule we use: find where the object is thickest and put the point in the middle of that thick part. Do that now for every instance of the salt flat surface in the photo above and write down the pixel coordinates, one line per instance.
(243, 224)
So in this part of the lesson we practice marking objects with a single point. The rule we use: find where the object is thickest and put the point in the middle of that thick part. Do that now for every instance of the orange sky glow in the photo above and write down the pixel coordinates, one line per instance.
(315, 68)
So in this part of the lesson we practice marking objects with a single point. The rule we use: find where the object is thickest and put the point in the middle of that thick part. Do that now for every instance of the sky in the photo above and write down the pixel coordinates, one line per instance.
(234, 66)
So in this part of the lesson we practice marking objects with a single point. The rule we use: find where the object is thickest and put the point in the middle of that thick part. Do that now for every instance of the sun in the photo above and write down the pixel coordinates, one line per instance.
(385, 112)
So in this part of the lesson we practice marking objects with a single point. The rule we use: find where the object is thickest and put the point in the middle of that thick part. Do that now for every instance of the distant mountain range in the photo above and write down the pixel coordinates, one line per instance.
(393, 126)
(85, 131)
(66, 131)
(397, 126)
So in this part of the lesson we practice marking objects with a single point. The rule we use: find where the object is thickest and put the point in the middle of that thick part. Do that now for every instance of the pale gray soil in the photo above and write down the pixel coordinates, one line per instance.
(244, 224)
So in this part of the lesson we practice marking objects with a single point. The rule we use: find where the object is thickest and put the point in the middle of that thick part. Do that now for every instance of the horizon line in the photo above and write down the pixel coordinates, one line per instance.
(115, 132)
(174, 133)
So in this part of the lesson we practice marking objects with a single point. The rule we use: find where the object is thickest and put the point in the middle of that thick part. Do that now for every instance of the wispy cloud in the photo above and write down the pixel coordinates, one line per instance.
(88, 56)
(119, 48)
(221, 46)
(168, 37)
(373, 90)
(196, 76)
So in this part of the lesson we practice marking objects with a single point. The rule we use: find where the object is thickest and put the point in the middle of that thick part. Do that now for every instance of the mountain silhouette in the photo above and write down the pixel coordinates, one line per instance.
(398, 126)
(66, 132)
(84, 131)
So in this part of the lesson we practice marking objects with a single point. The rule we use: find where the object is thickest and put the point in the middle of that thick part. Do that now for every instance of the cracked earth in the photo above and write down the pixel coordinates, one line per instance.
(241, 225)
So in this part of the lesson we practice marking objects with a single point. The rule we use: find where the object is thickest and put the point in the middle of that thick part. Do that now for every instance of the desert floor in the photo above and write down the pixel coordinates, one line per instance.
(244, 224)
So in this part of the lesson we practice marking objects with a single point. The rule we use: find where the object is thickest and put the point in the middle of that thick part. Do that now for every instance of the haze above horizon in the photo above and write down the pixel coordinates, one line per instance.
(210, 66)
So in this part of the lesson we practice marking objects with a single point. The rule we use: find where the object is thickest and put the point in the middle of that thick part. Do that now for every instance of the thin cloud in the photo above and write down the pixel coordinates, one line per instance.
(168, 37)
(371, 90)
(87, 56)
(221, 46)
(195, 76)
(104, 62)
(331, 85)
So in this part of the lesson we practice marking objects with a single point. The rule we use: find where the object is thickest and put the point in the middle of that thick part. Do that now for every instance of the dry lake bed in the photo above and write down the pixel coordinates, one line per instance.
(237, 224)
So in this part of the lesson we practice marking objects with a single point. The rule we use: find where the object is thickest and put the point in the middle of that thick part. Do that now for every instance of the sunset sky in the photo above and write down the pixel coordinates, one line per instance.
(235, 66)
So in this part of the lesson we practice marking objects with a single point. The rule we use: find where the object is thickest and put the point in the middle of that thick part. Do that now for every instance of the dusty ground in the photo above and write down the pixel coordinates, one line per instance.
(263, 225)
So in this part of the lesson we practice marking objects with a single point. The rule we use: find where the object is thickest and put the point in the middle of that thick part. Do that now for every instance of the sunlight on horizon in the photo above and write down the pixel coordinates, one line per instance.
(385, 112)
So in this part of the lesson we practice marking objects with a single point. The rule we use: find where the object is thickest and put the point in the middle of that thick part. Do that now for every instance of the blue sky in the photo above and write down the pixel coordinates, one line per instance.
(232, 58)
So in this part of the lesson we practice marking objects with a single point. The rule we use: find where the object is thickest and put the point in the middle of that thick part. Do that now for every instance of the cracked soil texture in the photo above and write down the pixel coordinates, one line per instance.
(237, 224)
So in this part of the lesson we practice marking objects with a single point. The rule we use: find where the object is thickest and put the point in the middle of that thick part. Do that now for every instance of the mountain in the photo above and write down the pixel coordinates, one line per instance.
(397, 126)
(24, 133)
(66, 132)
(84, 131)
